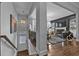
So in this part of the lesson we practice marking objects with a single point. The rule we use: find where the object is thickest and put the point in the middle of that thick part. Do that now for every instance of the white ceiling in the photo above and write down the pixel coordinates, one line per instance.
(22, 8)
(54, 12)
(76, 4)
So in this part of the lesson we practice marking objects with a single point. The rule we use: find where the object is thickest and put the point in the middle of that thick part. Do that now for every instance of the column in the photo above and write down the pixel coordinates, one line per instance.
(41, 28)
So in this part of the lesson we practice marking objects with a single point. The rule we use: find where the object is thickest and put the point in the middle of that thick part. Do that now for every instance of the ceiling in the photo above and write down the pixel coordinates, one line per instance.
(54, 12)
(76, 4)
(22, 8)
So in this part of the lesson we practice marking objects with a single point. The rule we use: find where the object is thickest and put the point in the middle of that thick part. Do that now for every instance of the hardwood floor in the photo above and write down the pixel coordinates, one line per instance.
(23, 53)
(58, 50)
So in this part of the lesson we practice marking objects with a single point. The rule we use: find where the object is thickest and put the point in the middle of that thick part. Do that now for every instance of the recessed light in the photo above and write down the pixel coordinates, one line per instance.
(23, 21)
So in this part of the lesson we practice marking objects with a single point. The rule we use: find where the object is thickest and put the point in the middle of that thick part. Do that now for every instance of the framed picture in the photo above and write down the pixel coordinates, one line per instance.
(12, 24)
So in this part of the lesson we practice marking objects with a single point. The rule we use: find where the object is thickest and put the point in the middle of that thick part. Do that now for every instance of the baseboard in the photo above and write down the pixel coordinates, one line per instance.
(33, 53)
(44, 52)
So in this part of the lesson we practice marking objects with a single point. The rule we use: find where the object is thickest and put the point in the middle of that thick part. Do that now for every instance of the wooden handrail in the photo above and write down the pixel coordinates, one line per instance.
(7, 39)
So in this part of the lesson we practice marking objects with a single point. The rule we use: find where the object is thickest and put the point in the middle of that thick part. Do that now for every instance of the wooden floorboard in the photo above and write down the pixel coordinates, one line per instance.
(57, 50)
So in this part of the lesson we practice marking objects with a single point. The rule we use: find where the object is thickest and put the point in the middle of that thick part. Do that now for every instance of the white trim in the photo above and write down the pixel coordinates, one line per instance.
(41, 53)
(44, 52)
(33, 53)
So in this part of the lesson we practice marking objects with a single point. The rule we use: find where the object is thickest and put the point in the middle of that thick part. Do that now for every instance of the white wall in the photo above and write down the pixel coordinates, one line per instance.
(32, 20)
(6, 10)
(32, 24)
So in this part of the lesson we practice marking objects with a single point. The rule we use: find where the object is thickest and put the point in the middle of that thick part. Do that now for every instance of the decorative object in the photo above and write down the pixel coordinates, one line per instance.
(12, 24)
